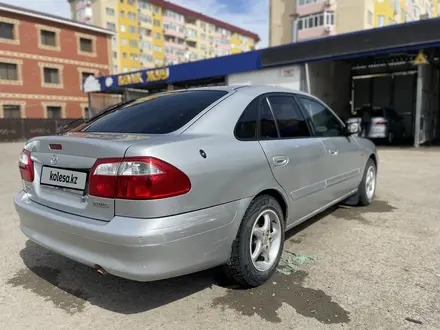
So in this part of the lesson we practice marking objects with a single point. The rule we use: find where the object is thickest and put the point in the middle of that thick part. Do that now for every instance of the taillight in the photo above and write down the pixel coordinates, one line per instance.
(380, 123)
(26, 166)
(137, 178)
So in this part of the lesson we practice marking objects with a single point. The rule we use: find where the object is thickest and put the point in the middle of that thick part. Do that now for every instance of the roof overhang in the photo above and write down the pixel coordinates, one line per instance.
(400, 37)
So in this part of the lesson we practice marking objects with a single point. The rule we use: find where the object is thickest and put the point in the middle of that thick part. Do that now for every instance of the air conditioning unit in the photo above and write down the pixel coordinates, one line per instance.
(329, 28)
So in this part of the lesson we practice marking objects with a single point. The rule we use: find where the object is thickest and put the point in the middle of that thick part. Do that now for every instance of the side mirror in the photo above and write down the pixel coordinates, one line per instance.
(352, 128)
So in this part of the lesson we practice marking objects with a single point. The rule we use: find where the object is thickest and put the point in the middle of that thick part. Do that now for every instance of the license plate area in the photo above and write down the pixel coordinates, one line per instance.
(63, 178)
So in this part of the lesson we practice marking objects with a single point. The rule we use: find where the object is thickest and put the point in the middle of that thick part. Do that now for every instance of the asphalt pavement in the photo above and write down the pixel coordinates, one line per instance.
(376, 267)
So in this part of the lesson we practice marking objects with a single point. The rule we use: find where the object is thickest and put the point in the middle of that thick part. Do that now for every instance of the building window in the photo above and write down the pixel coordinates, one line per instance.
(115, 69)
(123, 28)
(132, 29)
(122, 13)
(156, 22)
(111, 26)
(130, 2)
(133, 43)
(381, 20)
(157, 49)
(110, 11)
(86, 45)
(49, 38)
(134, 57)
(84, 73)
(124, 56)
(124, 42)
(9, 31)
(316, 20)
(157, 36)
(114, 42)
(10, 71)
(145, 19)
(115, 54)
(132, 15)
(11, 111)
(156, 10)
(53, 112)
(51, 75)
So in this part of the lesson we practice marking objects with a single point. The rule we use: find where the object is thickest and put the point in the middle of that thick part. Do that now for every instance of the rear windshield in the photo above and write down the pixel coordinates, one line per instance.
(156, 114)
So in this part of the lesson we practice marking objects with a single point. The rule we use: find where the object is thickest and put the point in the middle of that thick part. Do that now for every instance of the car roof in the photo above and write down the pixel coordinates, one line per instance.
(250, 89)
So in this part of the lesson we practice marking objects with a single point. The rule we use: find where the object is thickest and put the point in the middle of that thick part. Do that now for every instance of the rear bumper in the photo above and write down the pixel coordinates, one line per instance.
(136, 249)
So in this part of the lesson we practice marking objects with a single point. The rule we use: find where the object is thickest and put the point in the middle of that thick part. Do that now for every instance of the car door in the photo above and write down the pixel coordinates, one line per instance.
(343, 157)
(296, 159)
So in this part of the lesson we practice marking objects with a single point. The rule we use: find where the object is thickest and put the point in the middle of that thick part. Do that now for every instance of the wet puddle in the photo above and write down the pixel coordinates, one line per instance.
(71, 301)
(286, 286)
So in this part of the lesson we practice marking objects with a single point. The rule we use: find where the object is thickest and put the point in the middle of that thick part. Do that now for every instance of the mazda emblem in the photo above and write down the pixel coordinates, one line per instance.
(54, 159)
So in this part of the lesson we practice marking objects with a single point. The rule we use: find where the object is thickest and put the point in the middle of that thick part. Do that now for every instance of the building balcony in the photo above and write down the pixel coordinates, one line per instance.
(167, 19)
(173, 33)
(174, 45)
(223, 46)
(317, 32)
(317, 7)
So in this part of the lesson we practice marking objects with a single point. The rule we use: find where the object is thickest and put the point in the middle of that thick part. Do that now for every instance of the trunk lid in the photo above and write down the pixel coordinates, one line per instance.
(62, 169)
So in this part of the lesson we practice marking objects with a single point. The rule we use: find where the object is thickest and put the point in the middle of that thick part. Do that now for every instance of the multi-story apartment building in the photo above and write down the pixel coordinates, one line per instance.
(154, 33)
(321, 18)
(43, 62)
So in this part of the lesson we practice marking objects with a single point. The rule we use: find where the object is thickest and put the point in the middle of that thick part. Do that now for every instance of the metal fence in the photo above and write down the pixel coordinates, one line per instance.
(23, 129)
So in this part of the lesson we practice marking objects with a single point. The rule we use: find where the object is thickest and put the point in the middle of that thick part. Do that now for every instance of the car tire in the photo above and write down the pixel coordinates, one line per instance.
(254, 235)
(367, 187)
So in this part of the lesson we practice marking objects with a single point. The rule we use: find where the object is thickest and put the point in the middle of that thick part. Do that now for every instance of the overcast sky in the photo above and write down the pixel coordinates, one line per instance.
(252, 15)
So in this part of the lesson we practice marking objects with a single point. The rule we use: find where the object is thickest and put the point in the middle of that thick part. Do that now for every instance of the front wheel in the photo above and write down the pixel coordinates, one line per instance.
(258, 246)
(367, 187)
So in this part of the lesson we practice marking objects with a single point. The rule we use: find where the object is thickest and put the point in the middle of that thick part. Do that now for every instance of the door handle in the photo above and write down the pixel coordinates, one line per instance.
(333, 152)
(280, 160)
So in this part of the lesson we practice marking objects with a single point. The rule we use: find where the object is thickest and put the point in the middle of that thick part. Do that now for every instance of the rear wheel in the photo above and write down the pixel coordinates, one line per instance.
(367, 187)
(258, 246)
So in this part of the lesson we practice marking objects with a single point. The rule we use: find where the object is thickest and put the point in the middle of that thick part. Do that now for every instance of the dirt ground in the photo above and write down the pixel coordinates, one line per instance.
(354, 268)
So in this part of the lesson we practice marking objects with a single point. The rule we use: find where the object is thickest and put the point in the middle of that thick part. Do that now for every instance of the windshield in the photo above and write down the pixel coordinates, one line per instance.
(156, 114)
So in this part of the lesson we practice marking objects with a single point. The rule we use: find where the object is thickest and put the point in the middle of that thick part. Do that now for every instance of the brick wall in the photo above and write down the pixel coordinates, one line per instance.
(31, 92)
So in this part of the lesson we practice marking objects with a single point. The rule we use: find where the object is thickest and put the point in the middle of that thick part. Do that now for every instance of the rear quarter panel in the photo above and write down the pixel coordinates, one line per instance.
(232, 170)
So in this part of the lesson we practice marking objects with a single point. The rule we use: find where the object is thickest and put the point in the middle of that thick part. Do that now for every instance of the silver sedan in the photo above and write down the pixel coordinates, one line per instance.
(182, 181)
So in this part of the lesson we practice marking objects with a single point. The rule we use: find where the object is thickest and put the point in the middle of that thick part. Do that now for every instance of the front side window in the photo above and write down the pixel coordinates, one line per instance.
(290, 121)
(156, 114)
(324, 121)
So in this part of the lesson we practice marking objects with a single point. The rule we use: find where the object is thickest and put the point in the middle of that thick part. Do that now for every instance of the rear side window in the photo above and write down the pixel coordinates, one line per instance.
(268, 127)
(156, 114)
(291, 122)
(246, 128)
